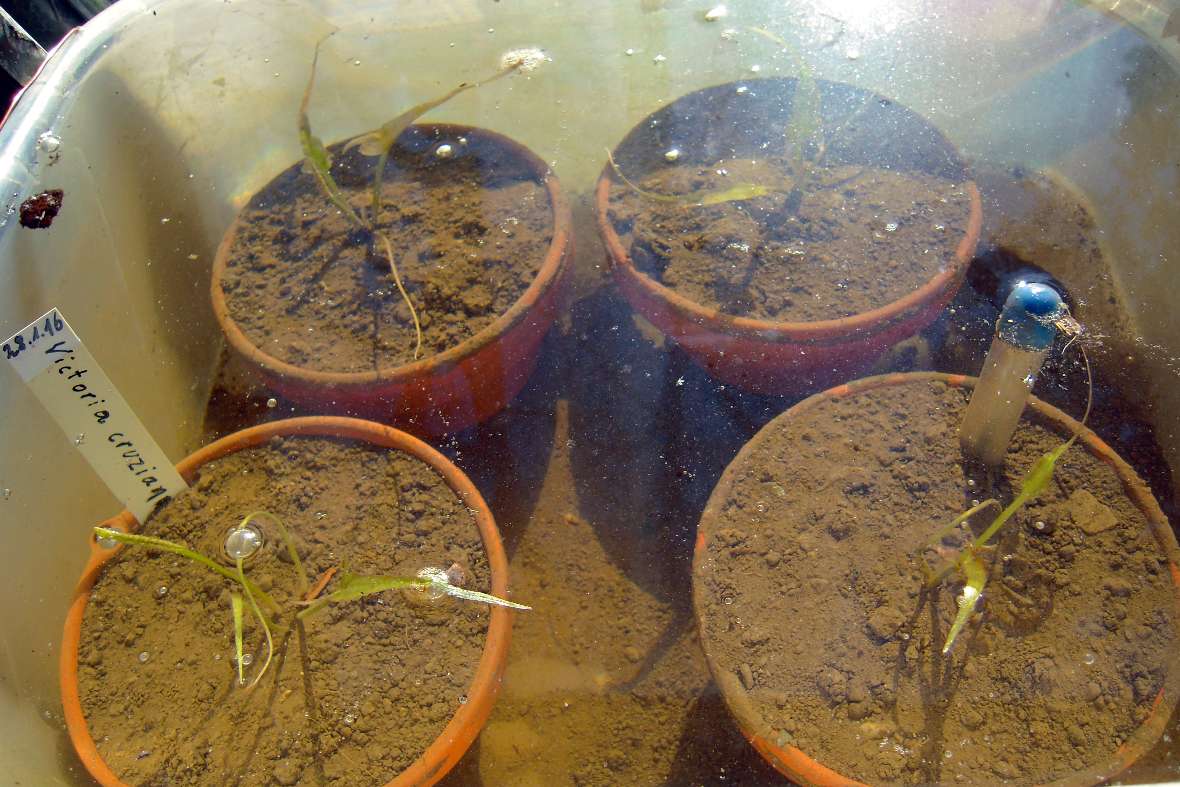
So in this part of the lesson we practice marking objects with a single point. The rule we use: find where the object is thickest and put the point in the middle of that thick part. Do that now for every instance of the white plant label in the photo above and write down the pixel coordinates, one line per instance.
(69, 383)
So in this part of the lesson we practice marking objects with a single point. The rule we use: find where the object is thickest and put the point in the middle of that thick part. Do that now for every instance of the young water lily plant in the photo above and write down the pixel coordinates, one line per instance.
(378, 144)
(245, 539)
(805, 147)
(969, 564)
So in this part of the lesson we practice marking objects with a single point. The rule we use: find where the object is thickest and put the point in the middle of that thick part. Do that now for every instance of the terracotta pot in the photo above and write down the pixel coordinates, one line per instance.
(797, 764)
(767, 356)
(451, 390)
(463, 727)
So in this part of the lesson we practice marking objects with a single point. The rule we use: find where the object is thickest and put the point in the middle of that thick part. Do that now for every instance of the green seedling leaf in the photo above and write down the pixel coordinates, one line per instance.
(379, 142)
(742, 191)
(976, 577)
(316, 155)
(933, 578)
(235, 602)
(175, 548)
(288, 541)
(353, 586)
(270, 646)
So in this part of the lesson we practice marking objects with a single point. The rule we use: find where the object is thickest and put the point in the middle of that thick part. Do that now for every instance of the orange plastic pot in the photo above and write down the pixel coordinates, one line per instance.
(766, 356)
(797, 764)
(451, 390)
(468, 720)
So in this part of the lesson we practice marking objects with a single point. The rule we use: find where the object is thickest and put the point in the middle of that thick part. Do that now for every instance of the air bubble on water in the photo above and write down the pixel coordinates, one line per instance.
(716, 12)
(165, 220)
(658, 59)
(463, 141)
(671, 154)
(760, 507)
(754, 69)
(356, 62)
(444, 151)
(349, 719)
(939, 227)
(729, 34)
(247, 659)
(462, 699)
(321, 515)
(143, 656)
(272, 403)
(1088, 658)
(491, 29)
(81, 438)
(891, 226)
(106, 543)
(242, 542)
(742, 90)
(970, 482)
(161, 591)
(727, 600)
(628, 51)
(5, 493)
(1039, 525)
(852, 53)
(49, 143)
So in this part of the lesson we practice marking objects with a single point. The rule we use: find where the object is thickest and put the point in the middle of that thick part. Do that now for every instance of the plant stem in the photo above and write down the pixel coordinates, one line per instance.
(270, 647)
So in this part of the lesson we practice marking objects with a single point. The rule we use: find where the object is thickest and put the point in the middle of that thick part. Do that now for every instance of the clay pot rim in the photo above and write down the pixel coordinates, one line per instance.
(792, 761)
(816, 331)
(463, 727)
(546, 277)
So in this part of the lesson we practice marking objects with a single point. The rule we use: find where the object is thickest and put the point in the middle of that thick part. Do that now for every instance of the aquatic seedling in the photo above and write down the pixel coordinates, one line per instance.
(243, 540)
(379, 143)
(805, 145)
(969, 563)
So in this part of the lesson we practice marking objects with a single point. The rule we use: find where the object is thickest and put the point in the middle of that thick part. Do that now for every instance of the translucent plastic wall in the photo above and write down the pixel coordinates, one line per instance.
(159, 120)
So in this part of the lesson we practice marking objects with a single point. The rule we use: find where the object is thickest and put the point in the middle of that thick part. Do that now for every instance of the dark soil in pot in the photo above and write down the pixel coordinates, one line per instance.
(870, 228)
(809, 589)
(355, 702)
(469, 232)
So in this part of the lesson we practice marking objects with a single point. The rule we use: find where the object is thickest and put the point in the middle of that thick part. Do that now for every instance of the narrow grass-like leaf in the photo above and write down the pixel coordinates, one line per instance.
(696, 199)
(968, 599)
(163, 545)
(235, 602)
(318, 160)
(270, 646)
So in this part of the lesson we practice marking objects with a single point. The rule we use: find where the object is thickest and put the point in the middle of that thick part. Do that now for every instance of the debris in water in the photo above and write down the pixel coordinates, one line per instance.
(39, 211)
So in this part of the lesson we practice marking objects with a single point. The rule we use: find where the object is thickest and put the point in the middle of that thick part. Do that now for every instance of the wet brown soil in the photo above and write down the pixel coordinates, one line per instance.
(597, 475)
(354, 695)
(824, 532)
(860, 238)
(468, 233)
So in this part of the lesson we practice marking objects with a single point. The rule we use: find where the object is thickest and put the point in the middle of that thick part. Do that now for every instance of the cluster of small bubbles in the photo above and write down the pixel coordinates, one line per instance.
(272, 403)
(716, 12)
(106, 543)
(525, 59)
(50, 144)
(81, 438)
(671, 154)
(444, 151)
(891, 226)
(143, 656)
(1088, 658)
(161, 591)
(658, 59)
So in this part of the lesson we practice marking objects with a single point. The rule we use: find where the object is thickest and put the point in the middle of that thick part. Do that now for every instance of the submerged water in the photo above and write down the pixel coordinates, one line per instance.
(599, 471)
